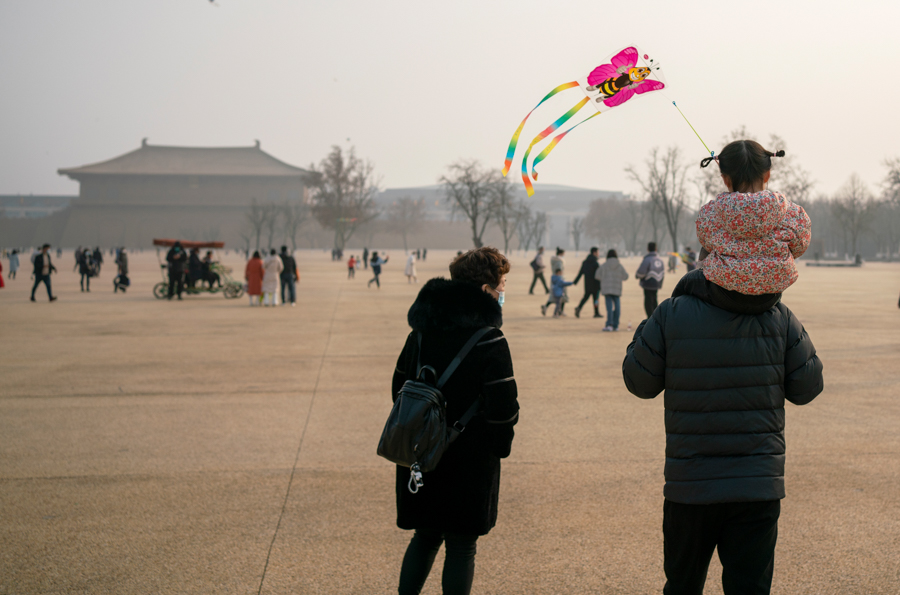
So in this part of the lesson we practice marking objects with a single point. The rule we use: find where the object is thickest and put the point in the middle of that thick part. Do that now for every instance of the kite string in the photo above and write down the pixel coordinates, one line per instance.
(547, 132)
(712, 153)
(511, 150)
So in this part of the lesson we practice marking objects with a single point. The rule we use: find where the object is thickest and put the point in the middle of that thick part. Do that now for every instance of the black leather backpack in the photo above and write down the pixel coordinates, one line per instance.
(416, 433)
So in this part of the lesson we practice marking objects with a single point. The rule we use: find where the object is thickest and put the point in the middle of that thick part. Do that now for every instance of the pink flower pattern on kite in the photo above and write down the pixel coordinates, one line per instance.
(752, 240)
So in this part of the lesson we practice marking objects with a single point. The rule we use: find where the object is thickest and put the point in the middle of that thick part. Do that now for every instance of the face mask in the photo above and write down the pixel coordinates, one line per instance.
(501, 297)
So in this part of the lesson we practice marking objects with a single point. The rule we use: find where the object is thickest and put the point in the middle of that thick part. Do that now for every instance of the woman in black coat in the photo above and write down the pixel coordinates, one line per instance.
(458, 501)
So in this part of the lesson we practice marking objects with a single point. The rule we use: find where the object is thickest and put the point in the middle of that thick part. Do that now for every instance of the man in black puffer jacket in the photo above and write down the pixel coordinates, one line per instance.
(727, 361)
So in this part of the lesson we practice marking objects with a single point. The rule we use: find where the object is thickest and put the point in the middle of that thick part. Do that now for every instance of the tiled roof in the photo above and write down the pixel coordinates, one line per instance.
(190, 161)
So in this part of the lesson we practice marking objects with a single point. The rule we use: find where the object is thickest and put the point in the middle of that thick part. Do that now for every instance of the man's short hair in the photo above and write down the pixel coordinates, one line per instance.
(651, 247)
(45, 246)
(595, 249)
(284, 248)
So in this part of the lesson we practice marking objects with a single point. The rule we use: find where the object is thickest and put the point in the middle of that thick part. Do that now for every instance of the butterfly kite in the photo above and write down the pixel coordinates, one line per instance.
(627, 74)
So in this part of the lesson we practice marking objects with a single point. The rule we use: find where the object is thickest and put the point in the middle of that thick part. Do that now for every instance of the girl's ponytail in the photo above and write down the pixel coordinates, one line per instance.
(744, 161)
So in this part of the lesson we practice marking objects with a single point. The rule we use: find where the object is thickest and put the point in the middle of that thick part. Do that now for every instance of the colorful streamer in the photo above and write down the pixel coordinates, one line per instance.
(547, 132)
(515, 138)
(553, 143)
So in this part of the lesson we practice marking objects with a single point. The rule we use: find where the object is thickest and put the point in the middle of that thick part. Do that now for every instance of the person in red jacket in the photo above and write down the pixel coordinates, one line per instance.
(253, 274)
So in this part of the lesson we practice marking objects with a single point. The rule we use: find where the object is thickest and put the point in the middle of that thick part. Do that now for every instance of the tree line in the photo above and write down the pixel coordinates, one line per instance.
(854, 219)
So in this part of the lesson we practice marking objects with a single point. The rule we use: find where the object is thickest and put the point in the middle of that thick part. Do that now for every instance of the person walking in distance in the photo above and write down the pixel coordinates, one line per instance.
(410, 270)
(86, 269)
(13, 264)
(351, 267)
(537, 267)
(611, 274)
(365, 258)
(274, 268)
(728, 353)
(651, 274)
(558, 267)
(177, 261)
(690, 259)
(254, 273)
(43, 268)
(289, 277)
(98, 260)
(591, 284)
(376, 263)
(457, 502)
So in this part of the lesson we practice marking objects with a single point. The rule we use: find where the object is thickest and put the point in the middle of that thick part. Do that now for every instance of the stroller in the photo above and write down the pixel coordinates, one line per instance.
(121, 282)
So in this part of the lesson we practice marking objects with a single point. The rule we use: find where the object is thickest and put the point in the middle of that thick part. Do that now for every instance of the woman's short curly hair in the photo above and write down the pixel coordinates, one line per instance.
(480, 266)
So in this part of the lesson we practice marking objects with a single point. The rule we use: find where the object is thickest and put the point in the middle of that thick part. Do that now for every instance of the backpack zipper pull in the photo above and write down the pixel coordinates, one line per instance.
(415, 478)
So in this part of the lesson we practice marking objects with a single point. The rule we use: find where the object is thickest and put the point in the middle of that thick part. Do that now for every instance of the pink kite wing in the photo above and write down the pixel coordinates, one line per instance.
(619, 98)
(627, 57)
(648, 85)
(601, 73)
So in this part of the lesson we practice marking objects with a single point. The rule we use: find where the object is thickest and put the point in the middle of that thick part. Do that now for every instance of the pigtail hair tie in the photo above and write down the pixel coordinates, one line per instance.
(780, 153)
(707, 161)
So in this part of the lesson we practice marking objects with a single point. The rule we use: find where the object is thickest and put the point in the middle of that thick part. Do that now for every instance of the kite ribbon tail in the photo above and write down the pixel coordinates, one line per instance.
(553, 143)
(547, 132)
(515, 138)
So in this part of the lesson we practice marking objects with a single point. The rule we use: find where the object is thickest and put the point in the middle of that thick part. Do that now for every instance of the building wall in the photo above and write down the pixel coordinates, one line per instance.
(166, 191)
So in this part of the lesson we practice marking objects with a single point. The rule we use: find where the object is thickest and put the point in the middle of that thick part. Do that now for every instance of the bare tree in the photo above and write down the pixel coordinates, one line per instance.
(523, 227)
(664, 185)
(404, 215)
(576, 227)
(539, 225)
(294, 215)
(257, 216)
(786, 175)
(471, 191)
(853, 207)
(343, 194)
(892, 180)
(636, 212)
(507, 211)
(271, 212)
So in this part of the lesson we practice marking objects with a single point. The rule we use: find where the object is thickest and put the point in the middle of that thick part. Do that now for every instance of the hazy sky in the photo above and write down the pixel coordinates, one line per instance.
(415, 86)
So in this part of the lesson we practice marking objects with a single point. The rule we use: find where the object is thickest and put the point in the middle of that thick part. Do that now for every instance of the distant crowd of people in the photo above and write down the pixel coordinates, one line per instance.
(265, 277)
(603, 279)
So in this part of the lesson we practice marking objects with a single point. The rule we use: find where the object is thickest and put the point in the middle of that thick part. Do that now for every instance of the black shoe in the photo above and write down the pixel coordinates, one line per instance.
(32, 299)
(577, 312)
(597, 315)
(54, 298)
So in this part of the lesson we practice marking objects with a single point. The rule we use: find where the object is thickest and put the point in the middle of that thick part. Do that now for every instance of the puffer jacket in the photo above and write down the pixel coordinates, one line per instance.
(462, 493)
(727, 362)
(610, 275)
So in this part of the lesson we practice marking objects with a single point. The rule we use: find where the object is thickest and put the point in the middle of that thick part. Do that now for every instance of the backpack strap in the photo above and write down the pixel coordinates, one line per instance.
(462, 355)
(459, 425)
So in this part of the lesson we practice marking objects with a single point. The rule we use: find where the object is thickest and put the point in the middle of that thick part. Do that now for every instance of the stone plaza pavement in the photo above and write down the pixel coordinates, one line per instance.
(203, 446)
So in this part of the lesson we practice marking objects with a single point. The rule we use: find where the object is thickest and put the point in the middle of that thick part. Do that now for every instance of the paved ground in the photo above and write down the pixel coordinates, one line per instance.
(206, 447)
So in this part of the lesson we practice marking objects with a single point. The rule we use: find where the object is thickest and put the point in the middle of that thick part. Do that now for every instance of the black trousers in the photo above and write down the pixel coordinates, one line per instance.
(45, 279)
(176, 280)
(590, 293)
(459, 562)
(744, 533)
(650, 301)
(543, 282)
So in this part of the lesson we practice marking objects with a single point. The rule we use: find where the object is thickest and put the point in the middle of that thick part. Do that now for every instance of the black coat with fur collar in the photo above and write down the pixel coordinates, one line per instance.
(727, 362)
(461, 495)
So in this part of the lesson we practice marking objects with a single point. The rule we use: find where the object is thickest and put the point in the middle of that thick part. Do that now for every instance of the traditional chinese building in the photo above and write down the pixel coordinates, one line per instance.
(200, 193)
